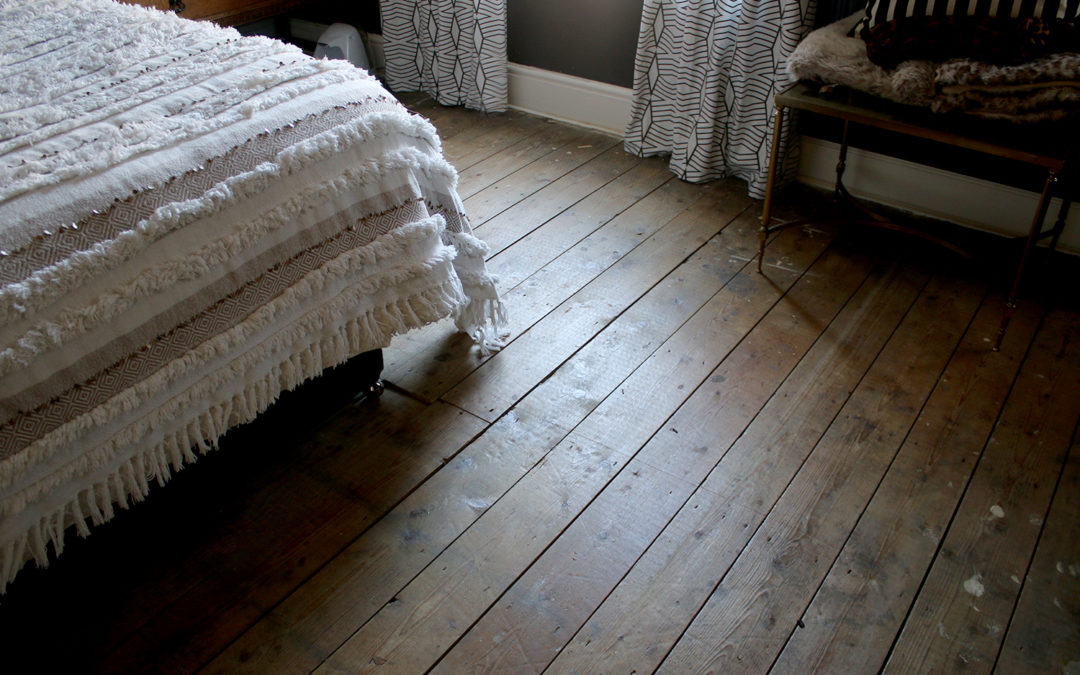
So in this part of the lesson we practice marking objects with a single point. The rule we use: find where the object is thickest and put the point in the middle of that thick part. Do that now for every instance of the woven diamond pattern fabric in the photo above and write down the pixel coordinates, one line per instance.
(704, 79)
(454, 50)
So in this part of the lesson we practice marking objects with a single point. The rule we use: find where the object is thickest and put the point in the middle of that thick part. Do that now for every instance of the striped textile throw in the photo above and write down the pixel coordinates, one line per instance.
(993, 31)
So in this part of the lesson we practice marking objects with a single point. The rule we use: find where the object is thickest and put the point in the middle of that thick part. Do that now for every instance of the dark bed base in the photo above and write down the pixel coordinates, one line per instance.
(189, 501)
(363, 372)
(313, 402)
(356, 378)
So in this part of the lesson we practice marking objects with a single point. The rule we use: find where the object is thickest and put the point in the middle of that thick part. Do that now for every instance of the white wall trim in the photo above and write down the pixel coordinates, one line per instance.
(588, 103)
(927, 191)
(878, 178)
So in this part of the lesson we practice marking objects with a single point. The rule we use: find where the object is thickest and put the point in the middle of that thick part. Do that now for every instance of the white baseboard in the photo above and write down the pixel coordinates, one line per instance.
(595, 105)
(930, 192)
(878, 178)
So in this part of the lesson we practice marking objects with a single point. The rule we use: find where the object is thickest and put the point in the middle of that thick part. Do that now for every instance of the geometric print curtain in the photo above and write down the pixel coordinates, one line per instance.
(704, 78)
(455, 50)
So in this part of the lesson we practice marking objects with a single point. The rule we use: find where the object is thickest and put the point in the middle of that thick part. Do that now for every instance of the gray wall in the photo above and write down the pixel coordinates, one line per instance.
(594, 39)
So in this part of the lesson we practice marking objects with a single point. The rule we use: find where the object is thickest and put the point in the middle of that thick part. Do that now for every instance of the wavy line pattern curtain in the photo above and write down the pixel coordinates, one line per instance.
(454, 50)
(704, 78)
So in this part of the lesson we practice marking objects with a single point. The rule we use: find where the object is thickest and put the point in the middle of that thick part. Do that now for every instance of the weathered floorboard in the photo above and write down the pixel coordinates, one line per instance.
(676, 463)
(861, 605)
(680, 569)
(1043, 634)
(482, 563)
(965, 604)
(757, 604)
(418, 360)
(592, 555)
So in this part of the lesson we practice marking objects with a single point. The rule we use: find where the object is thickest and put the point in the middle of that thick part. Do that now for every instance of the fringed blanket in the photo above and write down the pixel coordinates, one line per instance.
(192, 222)
(1046, 88)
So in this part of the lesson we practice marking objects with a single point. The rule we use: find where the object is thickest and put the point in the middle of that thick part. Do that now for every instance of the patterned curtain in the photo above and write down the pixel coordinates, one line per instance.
(454, 50)
(704, 79)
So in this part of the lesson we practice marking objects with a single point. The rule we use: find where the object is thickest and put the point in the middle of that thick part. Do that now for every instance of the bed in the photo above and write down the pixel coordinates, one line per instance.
(192, 222)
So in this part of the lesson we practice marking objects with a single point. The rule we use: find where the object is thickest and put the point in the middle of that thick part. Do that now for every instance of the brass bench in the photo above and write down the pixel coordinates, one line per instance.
(1048, 146)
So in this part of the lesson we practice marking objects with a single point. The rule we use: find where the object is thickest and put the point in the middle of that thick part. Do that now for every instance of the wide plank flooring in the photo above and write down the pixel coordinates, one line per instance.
(676, 464)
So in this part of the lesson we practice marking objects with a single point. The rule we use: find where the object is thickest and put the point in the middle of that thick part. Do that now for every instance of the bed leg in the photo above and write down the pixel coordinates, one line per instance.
(370, 365)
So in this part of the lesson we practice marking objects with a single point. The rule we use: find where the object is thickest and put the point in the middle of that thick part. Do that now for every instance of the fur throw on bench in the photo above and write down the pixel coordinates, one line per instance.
(1047, 88)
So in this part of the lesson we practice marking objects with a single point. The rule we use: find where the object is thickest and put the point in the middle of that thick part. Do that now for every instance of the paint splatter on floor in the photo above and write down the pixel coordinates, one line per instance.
(974, 586)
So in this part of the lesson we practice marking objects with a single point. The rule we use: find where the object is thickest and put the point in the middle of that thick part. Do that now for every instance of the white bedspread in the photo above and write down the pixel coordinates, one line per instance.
(190, 223)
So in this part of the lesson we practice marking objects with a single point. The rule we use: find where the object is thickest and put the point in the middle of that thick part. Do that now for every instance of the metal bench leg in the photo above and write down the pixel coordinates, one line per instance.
(840, 192)
(1033, 234)
(1059, 226)
(766, 207)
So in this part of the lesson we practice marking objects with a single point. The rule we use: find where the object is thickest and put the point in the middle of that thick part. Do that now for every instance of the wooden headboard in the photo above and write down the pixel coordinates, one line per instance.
(224, 12)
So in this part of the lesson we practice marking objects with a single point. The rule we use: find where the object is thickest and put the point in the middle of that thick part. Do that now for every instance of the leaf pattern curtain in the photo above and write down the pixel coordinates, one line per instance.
(454, 50)
(704, 79)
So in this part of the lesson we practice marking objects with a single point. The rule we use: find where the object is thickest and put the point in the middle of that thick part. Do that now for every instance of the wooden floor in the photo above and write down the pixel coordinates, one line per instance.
(677, 464)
